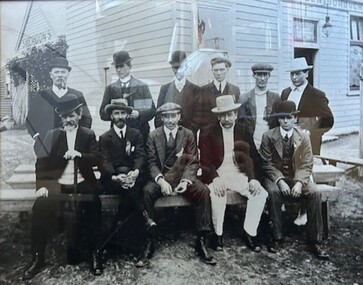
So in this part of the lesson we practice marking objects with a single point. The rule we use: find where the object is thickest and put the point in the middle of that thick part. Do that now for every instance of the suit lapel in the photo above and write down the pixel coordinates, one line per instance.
(276, 135)
(297, 141)
(252, 102)
(160, 144)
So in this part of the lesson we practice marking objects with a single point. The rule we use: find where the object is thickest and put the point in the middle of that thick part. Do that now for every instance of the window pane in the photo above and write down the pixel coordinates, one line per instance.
(356, 59)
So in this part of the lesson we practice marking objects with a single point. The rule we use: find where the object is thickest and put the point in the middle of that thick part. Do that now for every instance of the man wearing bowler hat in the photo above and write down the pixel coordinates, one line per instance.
(315, 114)
(258, 104)
(202, 114)
(180, 91)
(227, 156)
(287, 163)
(136, 93)
(41, 114)
(70, 153)
(173, 163)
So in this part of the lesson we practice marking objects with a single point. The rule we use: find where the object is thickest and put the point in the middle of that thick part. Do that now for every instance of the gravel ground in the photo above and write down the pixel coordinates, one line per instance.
(174, 261)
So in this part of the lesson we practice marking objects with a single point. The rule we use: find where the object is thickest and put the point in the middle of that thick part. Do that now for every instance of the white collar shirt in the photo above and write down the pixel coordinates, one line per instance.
(71, 138)
(284, 133)
(126, 81)
(59, 92)
(179, 84)
(118, 131)
(296, 93)
(173, 132)
(222, 84)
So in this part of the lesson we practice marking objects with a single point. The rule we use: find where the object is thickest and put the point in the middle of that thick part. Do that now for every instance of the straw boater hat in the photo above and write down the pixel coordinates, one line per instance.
(262, 68)
(60, 62)
(118, 104)
(169, 108)
(299, 64)
(177, 58)
(120, 58)
(225, 103)
(67, 104)
(286, 108)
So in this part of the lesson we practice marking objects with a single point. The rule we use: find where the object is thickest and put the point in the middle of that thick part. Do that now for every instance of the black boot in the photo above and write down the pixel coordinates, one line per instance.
(147, 254)
(217, 242)
(202, 252)
(34, 267)
(149, 223)
(96, 264)
(251, 242)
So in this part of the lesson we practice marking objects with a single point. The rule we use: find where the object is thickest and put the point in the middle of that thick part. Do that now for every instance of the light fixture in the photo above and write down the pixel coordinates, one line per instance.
(327, 27)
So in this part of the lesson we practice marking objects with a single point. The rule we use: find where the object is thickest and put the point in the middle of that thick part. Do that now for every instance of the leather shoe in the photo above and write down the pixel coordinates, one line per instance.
(318, 251)
(96, 264)
(202, 252)
(274, 246)
(251, 242)
(34, 267)
(217, 243)
(148, 252)
(149, 223)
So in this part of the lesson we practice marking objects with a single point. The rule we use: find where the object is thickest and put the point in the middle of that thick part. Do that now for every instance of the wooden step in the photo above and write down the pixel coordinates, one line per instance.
(25, 168)
(22, 181)
(326, 173)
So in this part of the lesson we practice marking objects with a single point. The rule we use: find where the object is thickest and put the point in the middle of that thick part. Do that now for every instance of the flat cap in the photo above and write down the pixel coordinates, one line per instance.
(262, 67)
(169, 108)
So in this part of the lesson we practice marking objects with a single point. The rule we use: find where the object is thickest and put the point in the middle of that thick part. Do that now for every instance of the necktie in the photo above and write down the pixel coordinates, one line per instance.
(220, 88)
(286, 138)
(122, 135)
(124, 84)
(171, 141)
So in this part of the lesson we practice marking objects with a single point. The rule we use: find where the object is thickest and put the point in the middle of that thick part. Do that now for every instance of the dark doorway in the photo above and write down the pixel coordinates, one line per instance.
(309, 54)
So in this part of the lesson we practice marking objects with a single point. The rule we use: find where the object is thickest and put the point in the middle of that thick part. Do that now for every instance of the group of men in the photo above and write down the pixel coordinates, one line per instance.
(256, 144)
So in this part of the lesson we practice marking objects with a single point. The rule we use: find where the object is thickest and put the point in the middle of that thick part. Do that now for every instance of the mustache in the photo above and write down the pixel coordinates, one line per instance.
(119, 120)
(70, 124)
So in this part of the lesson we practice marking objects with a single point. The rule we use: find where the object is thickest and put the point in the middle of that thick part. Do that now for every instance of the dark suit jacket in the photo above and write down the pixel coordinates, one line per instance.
(203, 115)
(51, 165)
(247, 111)
(313, 104)
(272, 155)
(187, 163)
(211, 147)
(187, 99)
(138, 96)
(42, 116)
(121, 157)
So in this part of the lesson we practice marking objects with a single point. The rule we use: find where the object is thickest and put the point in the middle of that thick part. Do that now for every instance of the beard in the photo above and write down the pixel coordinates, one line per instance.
(120, 123)
(70, 125)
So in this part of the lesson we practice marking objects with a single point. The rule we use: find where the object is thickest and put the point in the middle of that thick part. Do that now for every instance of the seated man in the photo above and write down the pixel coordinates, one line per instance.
(173, 164)
(123, 166)
(73, 148)
(287, 162)
(227, 153)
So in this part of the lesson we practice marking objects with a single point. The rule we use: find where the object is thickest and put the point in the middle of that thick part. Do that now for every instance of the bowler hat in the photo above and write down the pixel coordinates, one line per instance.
(120, 58)
(177, 58)
(286, 108)
(118, 104)
(225, 103)
(60, 61)
(220, 58)
(169, 108)
(67, 104)
(262, 68)
(299, 64)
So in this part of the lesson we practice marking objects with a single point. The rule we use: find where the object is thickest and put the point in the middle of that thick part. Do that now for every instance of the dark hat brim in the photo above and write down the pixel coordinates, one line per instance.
(120, 63)
(110, 107)
(67, 110)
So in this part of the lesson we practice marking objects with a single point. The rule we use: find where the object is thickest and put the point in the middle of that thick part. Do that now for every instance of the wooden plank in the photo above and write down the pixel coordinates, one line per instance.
(347, 160)
(326, 173)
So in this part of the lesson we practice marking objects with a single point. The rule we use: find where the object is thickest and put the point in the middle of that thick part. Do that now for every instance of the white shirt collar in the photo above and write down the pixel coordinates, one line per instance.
(259, 92)
(179, 84)
(216, 84)
(300, 88)
(59, 92)
(126, 79)
(173, 132)
(284, 133)
(118, 130)
(71, 138)
(227, 129)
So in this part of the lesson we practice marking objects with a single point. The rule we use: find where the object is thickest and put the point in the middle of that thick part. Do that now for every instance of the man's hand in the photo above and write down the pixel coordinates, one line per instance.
(134, 114)
(296, 190)
(284, 188)
(72, 154)
(41, 192)
(254, 187)
(133, 174)
(165, 187)
(182, 187)
(219, 188)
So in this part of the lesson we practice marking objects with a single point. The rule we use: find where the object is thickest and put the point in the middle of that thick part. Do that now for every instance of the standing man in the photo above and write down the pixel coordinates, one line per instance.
(123, 167)
(227, 156)
(208, 93)
(312, 104)
(258, 104)
(42, 116)
(287, 162)
(70, 147)
(173, 164)
(136, 93)
(180, 91)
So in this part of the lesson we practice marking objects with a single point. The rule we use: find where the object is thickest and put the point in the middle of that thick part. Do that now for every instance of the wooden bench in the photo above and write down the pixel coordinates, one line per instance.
(334, 159)
(22, 201)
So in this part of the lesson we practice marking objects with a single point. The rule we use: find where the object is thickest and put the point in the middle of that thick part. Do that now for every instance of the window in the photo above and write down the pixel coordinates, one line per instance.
(356, 51)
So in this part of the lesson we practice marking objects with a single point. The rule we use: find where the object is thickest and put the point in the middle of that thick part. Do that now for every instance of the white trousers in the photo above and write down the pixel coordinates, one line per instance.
(255, 204)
